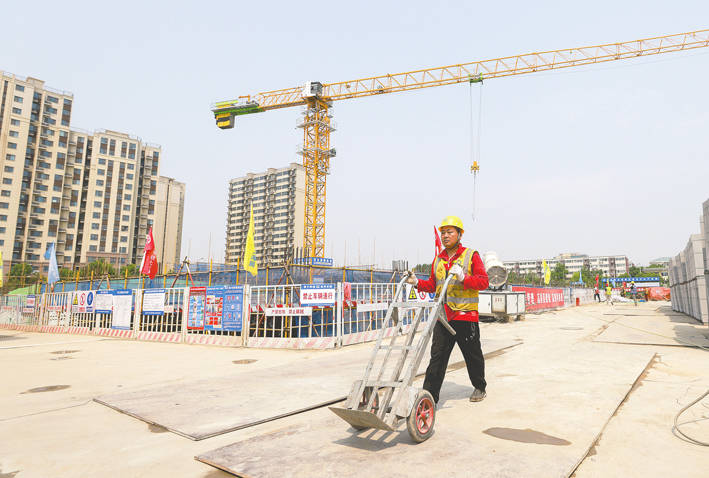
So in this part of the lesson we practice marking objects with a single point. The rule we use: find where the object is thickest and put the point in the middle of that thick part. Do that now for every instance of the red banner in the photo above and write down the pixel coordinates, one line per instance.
(537, 298)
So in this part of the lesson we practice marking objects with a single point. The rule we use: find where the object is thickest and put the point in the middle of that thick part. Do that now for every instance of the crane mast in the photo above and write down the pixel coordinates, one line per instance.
(317, 99)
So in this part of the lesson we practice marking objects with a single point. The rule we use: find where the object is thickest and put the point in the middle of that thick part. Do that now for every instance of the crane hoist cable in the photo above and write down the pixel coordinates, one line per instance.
(475, 142)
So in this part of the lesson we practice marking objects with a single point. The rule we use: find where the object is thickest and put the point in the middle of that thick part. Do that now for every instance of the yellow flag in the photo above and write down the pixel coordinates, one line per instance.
(547, 272)
(249, 260)
(1, 268)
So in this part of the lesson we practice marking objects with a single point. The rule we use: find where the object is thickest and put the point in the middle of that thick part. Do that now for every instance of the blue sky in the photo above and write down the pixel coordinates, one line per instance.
(610, 159)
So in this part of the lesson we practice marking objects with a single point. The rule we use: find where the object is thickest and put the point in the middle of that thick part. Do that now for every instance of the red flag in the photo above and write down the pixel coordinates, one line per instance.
(149, 265)
(596, 280)
(439, 244)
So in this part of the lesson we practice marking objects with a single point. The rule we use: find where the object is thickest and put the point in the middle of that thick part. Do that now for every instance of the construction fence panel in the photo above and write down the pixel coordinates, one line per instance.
(278, 319)
(159, 314)
(10, 310)
(364, 307)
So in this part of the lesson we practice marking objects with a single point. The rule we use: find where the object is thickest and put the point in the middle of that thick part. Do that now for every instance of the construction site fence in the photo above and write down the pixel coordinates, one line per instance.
(271, 316)
(293, 274)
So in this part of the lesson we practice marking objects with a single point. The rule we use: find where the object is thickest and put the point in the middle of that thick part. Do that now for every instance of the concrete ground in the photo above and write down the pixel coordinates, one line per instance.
(538, 400)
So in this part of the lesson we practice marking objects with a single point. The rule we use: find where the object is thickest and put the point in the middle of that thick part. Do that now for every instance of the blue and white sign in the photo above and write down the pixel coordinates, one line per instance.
(122, 307)
(233, 307)
(104, 301)
(632, 279)
(317, 295)
(154, 302)
(314, 261)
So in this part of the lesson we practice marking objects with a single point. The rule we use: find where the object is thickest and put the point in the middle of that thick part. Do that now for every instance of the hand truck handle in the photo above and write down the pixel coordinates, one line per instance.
(441, 313)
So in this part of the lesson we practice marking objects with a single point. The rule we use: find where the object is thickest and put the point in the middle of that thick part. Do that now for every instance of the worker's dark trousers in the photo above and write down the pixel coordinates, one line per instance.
(597, 296)
(468, 338)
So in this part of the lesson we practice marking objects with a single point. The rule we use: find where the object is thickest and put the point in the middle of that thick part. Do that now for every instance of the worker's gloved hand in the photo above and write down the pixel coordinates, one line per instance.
(457, 271)
(411, 278)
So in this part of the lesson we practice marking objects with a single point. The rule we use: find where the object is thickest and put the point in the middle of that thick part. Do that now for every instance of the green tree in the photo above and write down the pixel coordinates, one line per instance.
(558, 274)
(423, 268)
(132, 270)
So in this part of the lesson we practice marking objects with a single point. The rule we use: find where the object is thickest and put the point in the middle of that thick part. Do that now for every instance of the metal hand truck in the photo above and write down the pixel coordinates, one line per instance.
(383, 398)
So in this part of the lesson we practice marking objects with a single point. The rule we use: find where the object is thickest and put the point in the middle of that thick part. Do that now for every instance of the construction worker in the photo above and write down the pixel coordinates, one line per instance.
(596, 294)
(609, 293)
(634, 292)
(461, 309)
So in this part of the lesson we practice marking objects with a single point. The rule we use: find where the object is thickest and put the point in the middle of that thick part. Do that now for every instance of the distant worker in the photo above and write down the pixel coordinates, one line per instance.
(609, 293)
(634, 292)
(461, 309)
(596, 293)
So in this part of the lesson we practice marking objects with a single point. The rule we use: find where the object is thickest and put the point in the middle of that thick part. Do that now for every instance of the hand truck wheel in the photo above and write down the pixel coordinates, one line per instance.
(422, 417)
(363, 403)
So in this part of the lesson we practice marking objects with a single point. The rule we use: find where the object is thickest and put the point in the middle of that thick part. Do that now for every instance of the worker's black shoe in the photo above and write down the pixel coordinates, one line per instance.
(478, 395)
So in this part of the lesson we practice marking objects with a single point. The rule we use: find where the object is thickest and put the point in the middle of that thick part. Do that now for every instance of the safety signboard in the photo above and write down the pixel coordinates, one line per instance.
(317, 294)
(411, 294)
(104, 301)
(154, 302)
(195, 314)
(83, 301)
(287, 311)
(372, 307)
(214, 308)
(29, 305)
(233, 307)
(122, 306)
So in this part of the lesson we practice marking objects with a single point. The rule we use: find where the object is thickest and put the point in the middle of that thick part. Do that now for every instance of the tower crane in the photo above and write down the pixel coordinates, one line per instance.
(318, 98)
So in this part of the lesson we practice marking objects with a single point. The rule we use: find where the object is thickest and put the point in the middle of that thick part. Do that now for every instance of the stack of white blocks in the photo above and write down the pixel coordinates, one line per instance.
(688, 273)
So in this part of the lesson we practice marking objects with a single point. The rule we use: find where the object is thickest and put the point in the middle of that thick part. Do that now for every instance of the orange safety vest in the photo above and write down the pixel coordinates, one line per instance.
(457, 298)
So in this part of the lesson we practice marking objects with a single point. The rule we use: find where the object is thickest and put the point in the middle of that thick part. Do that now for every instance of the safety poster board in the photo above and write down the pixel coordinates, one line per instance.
(411, 294)
(321, 295)
(214, 308)
(29, 304)
(233, 307)
(195, 310)
(83, 302)
(104, 301)
(154, 302)
(122, 308)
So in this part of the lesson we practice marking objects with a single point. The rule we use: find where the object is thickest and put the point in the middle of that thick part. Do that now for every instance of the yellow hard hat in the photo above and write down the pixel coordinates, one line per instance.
(452, 221)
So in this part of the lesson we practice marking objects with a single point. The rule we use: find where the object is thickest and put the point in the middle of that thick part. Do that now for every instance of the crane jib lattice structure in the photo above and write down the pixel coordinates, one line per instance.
(318, 97)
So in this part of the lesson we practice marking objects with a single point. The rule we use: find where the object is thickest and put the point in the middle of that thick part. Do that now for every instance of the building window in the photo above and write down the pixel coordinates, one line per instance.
(14, 134)
(101, 160)
(5, 193)
(127, 197)
(101, 172)
(129, 186)
(131, 166)
(93, 248)
(99, 182)
(95, 226)
(125, 218)
(94, 237)
(104, 146)
(129, 175)
(10, 157)
(16, 111)
(19, 88)
(4, 205)
(112, 148)
(12, 145)
(3, 217)
(124, 239)
(9, 169)
(97, 203)
(18, 99)
(52, 99)
(126, 207)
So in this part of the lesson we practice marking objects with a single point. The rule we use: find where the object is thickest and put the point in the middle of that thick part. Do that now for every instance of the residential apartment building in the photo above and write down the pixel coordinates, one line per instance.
(93, 194)
(612, 266)
(167, 231)
(278, 200)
